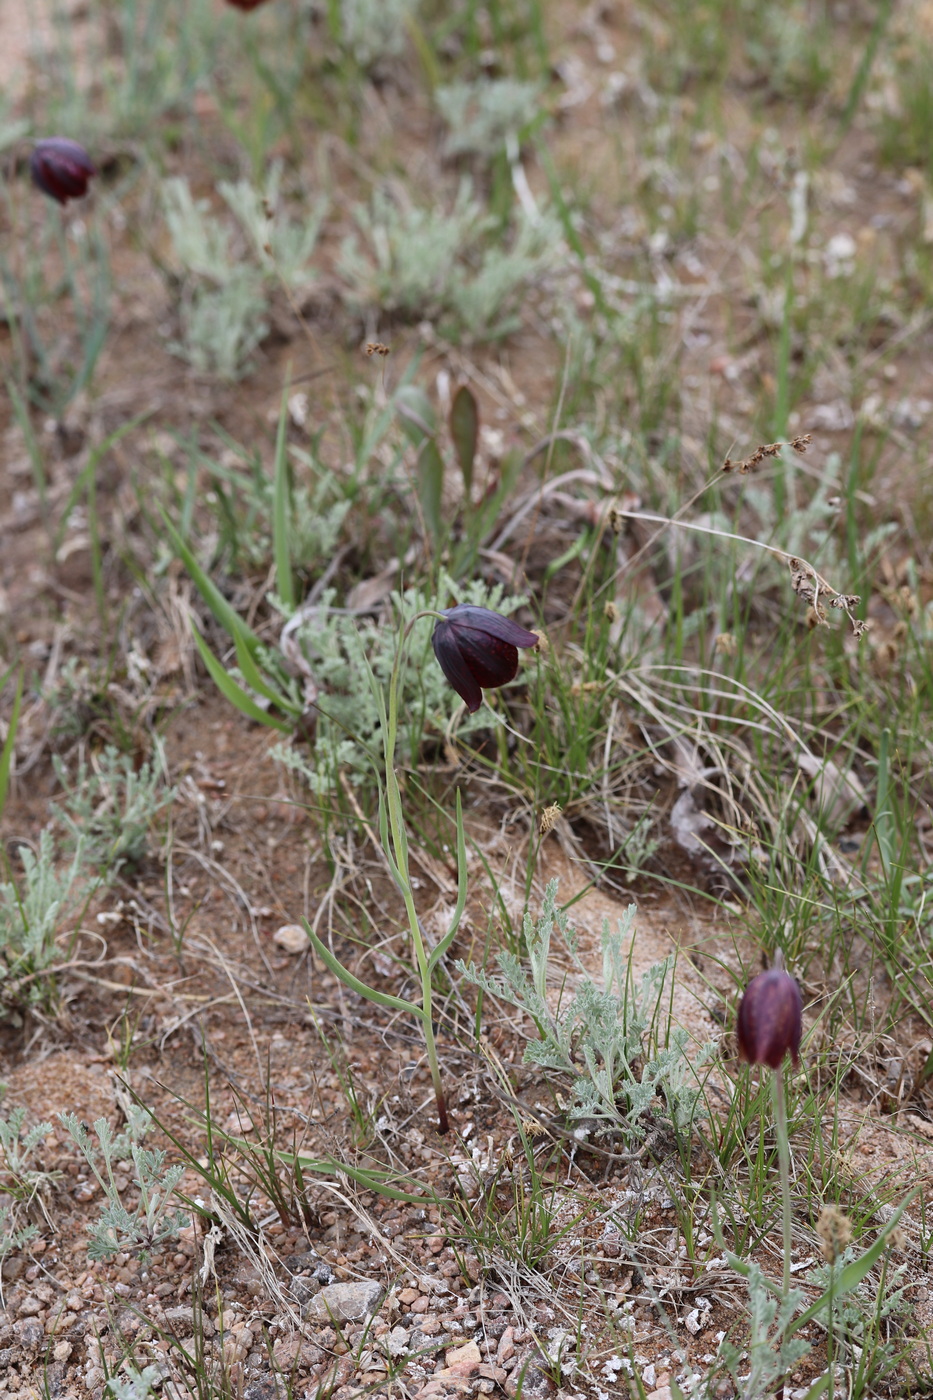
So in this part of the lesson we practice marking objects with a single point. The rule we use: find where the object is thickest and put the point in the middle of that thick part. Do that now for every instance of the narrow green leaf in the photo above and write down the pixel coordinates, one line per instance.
(281, 510)
(884, 816)
(349, 979)
(257, 681)
(371, 1180)
(847, 1279)
(84, 479)
(430, 470)
(464, 430)
(568, 556)
(227, 616)
(234, 692)
(397, 827)
(33, 447)
(487, 516)
(424, 50)
(384, 836)
(851, 1276)
(6, 756)
(416, 412)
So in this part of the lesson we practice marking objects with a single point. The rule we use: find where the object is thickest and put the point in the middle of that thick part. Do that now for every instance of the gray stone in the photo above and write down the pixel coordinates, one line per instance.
(304, 1289)
(310, 1262)
(29, 1332)
(529, 1379)
(54, 1379)
(396, 1343)
(345, 1302)
(265, 1388)
(180, 1316)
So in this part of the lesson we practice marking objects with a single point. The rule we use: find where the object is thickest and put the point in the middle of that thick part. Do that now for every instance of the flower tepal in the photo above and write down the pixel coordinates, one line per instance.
(61, 168)
(770, 1020)
(477, 649)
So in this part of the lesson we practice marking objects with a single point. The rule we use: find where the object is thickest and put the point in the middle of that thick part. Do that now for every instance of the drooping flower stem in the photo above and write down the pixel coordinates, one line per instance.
(780, 1126)
(395, 842)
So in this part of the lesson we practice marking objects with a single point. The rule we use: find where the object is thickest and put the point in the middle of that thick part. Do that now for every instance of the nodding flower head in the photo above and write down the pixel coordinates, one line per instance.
(770, 1020)
(246, 4)
(61, 168)
(478, 650)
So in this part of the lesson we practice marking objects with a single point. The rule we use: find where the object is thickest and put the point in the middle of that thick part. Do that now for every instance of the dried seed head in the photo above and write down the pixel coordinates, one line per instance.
(770, 1021)
(616, 520)
(611, 612)
(835, 1232)
(548, 818)
(765, 450)
(727, 644)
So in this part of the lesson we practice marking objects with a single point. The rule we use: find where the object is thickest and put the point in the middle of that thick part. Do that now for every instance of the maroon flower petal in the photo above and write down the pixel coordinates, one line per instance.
(490, 661)
(478, 650)
(61, 168)
(454, 666)
(770, 1020)
(468, 615)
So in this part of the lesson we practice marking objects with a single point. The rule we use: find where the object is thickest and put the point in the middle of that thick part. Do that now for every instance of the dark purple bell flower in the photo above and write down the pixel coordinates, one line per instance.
(478, 650)
(770, 1020)
(61, 168)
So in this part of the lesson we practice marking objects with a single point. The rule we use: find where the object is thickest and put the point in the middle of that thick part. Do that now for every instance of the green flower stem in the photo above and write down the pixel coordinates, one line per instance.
(780, 1121)
(399, 856)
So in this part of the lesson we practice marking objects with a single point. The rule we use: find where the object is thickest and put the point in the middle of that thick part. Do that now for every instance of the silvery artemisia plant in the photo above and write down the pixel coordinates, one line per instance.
(606, 1037)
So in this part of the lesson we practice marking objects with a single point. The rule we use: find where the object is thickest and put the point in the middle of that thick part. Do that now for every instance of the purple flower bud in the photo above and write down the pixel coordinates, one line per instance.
(770, 1019)
(246, 4)
(61, 168)
(478, 650)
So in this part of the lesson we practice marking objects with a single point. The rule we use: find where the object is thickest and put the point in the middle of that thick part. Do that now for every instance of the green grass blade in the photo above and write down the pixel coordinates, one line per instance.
(6, 756)
(227, 616)
(464, 430)
(430, 468)
(257, 681)
(234, 692)
(851, 1276)
(281, 509)
(84, 478)
(349, 979)
(884, 817)
(372, 1180)
(451, 933)
(21, 413)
